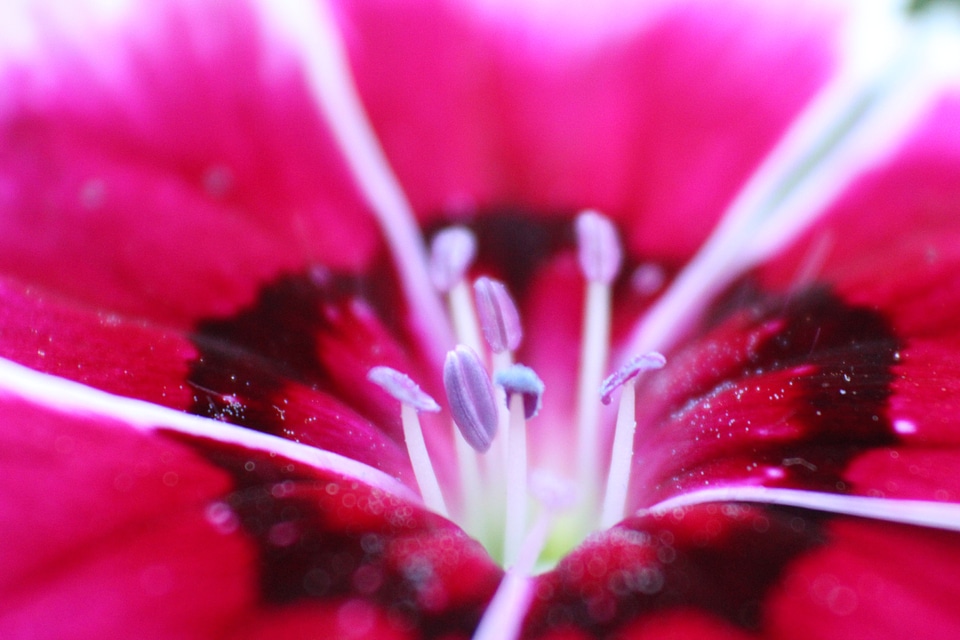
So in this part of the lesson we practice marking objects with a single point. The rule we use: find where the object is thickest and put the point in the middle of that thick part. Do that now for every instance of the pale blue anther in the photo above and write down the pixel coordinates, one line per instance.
(523, 380)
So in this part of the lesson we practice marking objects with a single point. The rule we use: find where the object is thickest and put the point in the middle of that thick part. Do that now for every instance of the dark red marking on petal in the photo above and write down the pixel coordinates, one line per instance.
(320, 537)
(512, 244)
(750, 571)
(784, 391)
(294, 363)
(722, 560)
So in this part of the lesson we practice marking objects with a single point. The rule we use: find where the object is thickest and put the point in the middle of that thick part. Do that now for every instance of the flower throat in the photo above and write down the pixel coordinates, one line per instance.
(526, 518)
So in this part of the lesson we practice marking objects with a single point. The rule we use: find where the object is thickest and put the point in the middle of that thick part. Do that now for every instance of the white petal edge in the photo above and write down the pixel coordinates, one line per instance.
(890, 73)
(311, 28)
(73, 398)
(924, 513)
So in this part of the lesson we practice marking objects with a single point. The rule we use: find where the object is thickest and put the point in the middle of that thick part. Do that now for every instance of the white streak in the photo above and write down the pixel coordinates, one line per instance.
(73, 398)
(311, 27)
(852, 125)
(925, 513)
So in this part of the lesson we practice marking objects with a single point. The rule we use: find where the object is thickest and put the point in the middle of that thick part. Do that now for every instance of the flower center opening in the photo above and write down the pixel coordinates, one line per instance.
(491, 398)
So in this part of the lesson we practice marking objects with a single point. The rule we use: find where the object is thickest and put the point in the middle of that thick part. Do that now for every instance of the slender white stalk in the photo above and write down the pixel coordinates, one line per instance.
(925, 513)
(850, 126)
(594, 348)
(497, 458)
(464, 315)
(312, 29)
(516, 517)
(420, 460)
(467, 330)
(72, 398)
(618, 479)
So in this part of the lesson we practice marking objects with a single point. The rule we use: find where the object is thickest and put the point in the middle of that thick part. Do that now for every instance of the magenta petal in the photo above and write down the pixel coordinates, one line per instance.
(731, 571)
(166, 163)
(638, 112)
(203, 538)
(217, 375)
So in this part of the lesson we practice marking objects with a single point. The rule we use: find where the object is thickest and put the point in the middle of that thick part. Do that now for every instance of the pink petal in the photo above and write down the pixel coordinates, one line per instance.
(730, 571)
(204, 537)
(224, 374)
(167, 163)
(900, 269)
(638, 112)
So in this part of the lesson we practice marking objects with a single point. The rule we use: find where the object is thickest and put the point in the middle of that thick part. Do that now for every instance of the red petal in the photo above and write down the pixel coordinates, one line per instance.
(204, 538)
(638, 111)
(728, 571)
(226, 375)
(167, 163)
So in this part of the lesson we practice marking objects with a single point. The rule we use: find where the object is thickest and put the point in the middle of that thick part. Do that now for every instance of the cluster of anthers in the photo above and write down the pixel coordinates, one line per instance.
(491, 411)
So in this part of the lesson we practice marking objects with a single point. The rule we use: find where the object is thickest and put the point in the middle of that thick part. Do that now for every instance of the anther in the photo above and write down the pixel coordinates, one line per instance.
(499, 318)
(523, 389)
(413, 399)
(647, 279)
(618, 479)
(646, 362)
(471, 398)
(451, 254)
(522, 380)
(402, 388)
(598, 247)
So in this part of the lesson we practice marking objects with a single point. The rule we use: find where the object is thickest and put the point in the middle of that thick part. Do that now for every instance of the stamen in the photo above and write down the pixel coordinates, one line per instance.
(504, 615)
(499, 318)
(413, 399)
(452, 252)
(501, 328)
(618, 480)
(647, 279)
(471, 397)
(646, 362)
(598, 247)
(600, 256)
(402, 388)
(524, 390)
(519, 379)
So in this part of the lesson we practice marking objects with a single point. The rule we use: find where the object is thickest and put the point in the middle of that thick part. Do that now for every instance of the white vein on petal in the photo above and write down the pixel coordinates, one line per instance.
(924, 513)
(24, 23)
(888, 76)
(311, 28)
(74, 398)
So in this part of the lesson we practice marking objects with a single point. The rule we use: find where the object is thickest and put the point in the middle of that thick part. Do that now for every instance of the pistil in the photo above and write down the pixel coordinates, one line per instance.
(413, 399)
(599, 256)
(504, 615)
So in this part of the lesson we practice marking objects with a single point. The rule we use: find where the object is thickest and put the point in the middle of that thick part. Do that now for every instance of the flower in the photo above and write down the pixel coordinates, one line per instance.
(204, 254)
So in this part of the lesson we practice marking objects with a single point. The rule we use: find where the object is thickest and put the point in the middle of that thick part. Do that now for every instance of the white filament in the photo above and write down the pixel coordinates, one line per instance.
(516, 516)
(594, 348)
(621, 460)
(420, 460)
